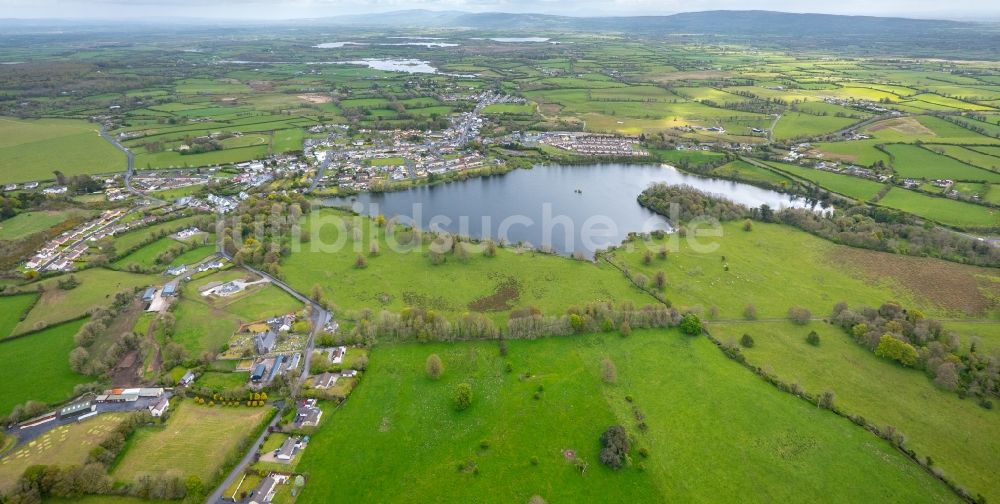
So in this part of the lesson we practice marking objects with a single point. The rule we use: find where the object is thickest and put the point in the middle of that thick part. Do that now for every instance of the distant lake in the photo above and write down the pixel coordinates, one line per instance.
(519, 39)
(541, 206)
(337, 45)
(422, 44)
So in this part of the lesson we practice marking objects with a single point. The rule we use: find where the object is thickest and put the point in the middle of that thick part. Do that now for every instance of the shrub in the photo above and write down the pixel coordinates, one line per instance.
(434, 367)
(825, 400)
(748, 225)
(746, 341)
(750, 312)
(615, 447)
(897, 350)
(463, 396)
(609, 373)
(625, 329)
(360, 262)
(690, 324)
(799, 315)
(813, 338)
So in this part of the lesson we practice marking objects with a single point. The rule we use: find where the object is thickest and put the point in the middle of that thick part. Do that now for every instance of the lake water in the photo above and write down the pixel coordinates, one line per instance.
(541, 206)
(519, 39)
(337, 45)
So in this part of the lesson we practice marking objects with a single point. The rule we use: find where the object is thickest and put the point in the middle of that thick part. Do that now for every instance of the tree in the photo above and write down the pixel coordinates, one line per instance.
(463, 396)
(813, 338)
(748, 225)
(799, 315)
(897, 350)
(615, 447)
(360, 262)
(609, 373)
(825, 400)
(373, 248)
(750, 312)
(690, 324)
(434, 367)
(647, 257)
(947, 377)
(78, 359)
(660, 280)
(490, 250)
(625, 329)
(746, 341)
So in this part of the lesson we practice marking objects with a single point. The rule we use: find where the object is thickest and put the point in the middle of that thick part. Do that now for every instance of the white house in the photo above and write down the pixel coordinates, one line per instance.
(160, 407)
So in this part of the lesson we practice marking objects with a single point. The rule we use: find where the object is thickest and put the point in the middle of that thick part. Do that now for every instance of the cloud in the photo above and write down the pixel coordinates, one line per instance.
(285, 9)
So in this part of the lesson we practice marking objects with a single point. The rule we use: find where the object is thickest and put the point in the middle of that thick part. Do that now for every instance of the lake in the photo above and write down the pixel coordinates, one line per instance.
(542, 207)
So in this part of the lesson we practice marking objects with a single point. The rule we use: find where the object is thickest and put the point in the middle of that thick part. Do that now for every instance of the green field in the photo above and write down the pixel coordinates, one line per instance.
(701, 280)
(207, 324)
(27, 223)
(220, 382)
(11, 309)
(796, 125)
(394, 280)
(179, 446)
(854, 187)
(97, 288)
(37, 367)
(715, 432)
(913, 161)
(33, 149)
(961, 437)
(943, 210)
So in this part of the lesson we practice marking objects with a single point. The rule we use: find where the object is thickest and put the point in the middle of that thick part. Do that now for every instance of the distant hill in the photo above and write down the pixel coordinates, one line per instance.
(707, 22)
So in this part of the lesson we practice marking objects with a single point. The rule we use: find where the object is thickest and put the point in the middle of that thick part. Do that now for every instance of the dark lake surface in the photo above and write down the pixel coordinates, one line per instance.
(542, 207)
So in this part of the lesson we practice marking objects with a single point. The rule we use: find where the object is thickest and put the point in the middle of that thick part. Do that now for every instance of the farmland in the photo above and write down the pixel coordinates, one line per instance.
(879, 134)
(33, 149)
(936, 423)
(178, 446)
(393, 280)
(67, 444)
(677, 382)
(38, 367)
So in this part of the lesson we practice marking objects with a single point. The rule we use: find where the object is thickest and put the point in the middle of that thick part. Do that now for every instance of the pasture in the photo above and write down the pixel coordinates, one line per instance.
(31, 149)
(37, 367)
(401, 435)
(961, 437)
(397, 279)
(179, 446)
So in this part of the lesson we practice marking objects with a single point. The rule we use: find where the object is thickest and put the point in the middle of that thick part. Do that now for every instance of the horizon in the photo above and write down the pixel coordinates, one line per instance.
(305, 10)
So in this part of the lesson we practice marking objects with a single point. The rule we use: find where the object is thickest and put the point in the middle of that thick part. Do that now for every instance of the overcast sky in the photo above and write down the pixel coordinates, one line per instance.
(287, 9)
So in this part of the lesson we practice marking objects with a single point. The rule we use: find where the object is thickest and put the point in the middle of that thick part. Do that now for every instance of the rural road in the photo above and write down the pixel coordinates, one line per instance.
(129, 167)
(245, 462)
(320, 316)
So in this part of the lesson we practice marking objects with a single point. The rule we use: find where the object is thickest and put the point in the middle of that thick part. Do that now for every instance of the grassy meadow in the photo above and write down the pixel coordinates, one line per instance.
(962, 438)
(37, 367)
(394, 280)
(179, 447)
(32, 149)
(715, 432)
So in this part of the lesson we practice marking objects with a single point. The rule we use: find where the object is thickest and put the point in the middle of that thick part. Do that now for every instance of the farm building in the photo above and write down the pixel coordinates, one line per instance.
(170, 289)
(186, 379)
(149, 294)
(77, 409)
